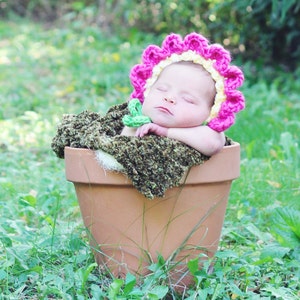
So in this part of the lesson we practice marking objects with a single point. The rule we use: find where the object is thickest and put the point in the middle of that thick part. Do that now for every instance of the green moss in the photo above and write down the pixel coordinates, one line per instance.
(153, 163)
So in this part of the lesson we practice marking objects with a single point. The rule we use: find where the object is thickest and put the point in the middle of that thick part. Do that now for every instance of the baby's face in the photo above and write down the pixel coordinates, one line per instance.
(181, 97)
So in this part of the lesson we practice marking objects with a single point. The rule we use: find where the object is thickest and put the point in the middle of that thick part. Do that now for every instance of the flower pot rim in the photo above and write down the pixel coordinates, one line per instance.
(82, 167)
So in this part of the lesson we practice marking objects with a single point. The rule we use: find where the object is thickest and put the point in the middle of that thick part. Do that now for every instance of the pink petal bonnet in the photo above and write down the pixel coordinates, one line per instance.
(213, 57)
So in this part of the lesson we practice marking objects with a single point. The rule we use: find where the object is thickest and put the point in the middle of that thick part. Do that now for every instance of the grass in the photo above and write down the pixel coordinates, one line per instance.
(44, 252)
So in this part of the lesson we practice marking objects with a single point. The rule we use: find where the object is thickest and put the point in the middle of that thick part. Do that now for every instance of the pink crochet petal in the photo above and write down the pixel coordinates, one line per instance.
(221, 124)
(235, 101)
(153, 55)
(138, 94)
(142, 72)
(221, 56)
(173, 44)
(196, 42)
(138, 76)
(224, 111)
(234, 78)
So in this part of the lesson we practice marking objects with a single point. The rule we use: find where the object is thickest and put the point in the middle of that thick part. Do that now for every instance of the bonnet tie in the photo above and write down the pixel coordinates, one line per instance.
(136, 117)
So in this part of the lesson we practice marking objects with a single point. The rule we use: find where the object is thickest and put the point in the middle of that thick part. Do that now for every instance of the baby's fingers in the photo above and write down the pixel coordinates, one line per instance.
(142, 131)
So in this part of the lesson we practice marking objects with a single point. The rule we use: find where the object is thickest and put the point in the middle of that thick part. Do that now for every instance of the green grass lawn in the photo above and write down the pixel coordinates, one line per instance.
(44, 253)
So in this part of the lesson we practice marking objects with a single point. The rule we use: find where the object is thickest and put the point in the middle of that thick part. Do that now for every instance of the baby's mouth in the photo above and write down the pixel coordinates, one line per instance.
(164, 109)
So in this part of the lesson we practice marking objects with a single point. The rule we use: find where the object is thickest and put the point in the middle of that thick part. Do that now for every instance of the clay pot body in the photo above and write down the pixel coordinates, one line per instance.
(128, 231)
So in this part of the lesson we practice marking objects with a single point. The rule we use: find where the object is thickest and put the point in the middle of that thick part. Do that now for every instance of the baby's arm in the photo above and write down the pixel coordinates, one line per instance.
(129, 131)
(201, 138)
(144, 130)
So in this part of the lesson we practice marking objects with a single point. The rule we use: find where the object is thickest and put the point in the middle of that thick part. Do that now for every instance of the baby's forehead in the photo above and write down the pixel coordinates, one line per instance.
(201, 82)
(185, 65)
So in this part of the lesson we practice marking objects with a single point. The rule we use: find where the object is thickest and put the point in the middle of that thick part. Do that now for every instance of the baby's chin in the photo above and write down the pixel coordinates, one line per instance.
(168, 124)
(162, 123)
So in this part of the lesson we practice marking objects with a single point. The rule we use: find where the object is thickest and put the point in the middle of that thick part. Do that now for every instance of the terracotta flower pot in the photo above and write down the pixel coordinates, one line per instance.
(128, 231)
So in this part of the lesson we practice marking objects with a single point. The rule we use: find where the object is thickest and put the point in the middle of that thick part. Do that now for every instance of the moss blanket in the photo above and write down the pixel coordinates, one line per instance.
(153, 163)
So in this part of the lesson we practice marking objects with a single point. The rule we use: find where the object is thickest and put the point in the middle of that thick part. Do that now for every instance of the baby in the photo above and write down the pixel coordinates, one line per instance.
(187, 92)
(178, 103)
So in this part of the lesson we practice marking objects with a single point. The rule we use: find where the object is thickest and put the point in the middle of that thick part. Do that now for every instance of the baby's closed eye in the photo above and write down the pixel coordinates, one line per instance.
(188, 99)
(162, 88)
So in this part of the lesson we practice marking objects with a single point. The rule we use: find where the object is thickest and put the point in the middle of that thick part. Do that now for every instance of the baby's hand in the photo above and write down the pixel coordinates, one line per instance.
(151, 128)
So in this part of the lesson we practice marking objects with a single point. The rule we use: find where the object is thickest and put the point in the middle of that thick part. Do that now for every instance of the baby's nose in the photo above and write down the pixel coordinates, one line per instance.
(170, 100)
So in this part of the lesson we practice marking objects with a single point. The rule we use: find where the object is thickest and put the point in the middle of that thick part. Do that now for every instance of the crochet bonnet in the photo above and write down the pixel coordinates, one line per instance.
(213, 58)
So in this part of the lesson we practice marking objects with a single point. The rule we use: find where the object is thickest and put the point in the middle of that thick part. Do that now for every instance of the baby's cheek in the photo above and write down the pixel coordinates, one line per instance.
(145, 108)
